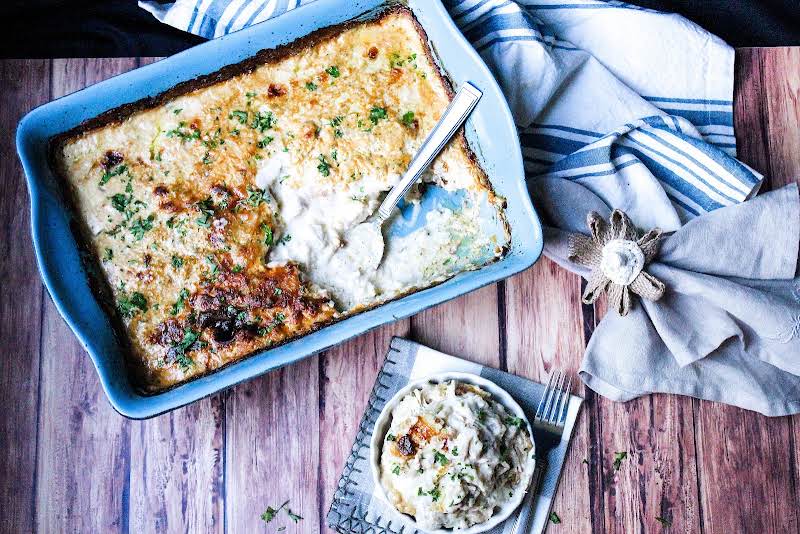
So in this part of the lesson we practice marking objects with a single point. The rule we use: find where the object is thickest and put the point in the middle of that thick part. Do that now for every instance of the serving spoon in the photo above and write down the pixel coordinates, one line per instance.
(364, 245)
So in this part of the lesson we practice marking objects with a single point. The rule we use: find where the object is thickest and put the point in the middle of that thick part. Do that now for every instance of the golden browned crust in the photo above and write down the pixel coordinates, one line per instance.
(117, 115)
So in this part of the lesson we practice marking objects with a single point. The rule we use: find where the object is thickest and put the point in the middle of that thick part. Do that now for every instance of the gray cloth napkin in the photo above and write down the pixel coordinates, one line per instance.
(728, 327)
(357, 508)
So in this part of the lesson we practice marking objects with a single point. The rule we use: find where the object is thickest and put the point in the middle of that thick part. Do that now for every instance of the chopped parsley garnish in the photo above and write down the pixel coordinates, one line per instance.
(190, 337)
(337, 120)
(207, 159)
(618, 458)
(108, 255)
(177, 262)
(277, 291)
(333, 70)
(264, 142)
(390, 437)
(237, 268)
(455, 451)
(206, 208)
(178, 306)
(324, 167)
(311, 86)
(441, 458)
(407, 118)
(395, 60)
(213, 140)
(255, 196)
(376, 114)
(554, 518)
(250, 94)
(482, 416)
(285, 239)
(513, 421)
(335, 155)
(119, 202)
(141, 226)
(130, 305)
(434, 494)
(262, 121)
(177, 110)
(664, 521)
(240, 116)
(396, 469)
(214, 267)
(116, 171)
(183, 134)
(268, 237)
(235, 132)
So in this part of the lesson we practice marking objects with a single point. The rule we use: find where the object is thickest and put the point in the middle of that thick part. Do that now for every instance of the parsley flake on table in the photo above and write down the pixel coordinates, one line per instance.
(293, 516)
(664, 521)
(554, 518)
(618, 459)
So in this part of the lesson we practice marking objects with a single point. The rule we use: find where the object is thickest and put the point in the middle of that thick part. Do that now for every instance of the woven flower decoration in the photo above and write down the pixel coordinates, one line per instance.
(617, 255)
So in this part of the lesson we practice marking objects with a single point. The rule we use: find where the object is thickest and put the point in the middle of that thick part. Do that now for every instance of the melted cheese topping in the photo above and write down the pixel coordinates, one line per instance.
(452, 455)
(215, 215)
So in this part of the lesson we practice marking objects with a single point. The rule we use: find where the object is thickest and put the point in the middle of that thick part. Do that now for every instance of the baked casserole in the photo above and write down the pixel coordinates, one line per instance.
(211, 211)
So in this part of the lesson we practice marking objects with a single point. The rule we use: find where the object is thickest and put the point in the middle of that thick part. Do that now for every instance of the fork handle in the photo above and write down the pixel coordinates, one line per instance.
(523, 523)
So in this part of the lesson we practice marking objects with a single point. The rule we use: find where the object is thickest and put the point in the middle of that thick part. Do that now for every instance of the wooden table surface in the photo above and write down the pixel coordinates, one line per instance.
(69, 463)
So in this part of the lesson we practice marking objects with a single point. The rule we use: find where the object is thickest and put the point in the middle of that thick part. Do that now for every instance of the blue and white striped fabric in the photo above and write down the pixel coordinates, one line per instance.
(634, 104)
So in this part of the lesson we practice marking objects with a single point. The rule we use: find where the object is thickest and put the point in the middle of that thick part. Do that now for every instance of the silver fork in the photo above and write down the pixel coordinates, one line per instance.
(548, 426)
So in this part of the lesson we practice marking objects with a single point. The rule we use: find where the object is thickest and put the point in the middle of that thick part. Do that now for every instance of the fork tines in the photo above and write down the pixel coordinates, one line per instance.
(552, 407)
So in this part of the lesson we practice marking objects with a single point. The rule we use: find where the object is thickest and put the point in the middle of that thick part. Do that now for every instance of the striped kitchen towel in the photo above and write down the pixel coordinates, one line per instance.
(633, 104)
(356, 506)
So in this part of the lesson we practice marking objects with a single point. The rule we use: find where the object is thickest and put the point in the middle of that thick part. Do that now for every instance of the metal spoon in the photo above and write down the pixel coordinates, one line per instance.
(364, 246)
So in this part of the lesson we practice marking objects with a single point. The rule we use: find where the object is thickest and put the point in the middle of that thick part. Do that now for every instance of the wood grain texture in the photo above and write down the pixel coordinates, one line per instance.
(544, 330)
(347, 374)
(748, 463)
(25, 84)
(70, 464)
(271, 449)
(468, 327)
(83, 450)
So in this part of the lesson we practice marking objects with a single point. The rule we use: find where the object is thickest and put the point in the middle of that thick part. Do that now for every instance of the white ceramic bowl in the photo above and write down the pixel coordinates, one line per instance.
(500, 395)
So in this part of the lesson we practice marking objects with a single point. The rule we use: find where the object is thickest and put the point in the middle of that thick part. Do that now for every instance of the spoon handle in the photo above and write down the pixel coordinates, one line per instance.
(452, 119)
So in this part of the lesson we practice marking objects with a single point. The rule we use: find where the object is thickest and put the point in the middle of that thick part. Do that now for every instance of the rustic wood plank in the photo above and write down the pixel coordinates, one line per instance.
(25, 84)
(748, 463)
(176, 466)
(467, 327)
(782, 83)
(658, 478)
(271, 449)
(83, 459)
(347, 374)
(544, 330)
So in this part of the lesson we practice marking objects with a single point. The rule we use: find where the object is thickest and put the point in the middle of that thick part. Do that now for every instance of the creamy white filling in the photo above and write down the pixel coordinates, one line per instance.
(314, 217)
(474, 462)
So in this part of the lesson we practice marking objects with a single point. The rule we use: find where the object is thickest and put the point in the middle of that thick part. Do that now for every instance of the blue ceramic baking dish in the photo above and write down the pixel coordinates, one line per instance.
(490, 130)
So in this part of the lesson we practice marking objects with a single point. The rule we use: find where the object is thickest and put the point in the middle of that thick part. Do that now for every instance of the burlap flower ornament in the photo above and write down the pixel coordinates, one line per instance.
(617, 255)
